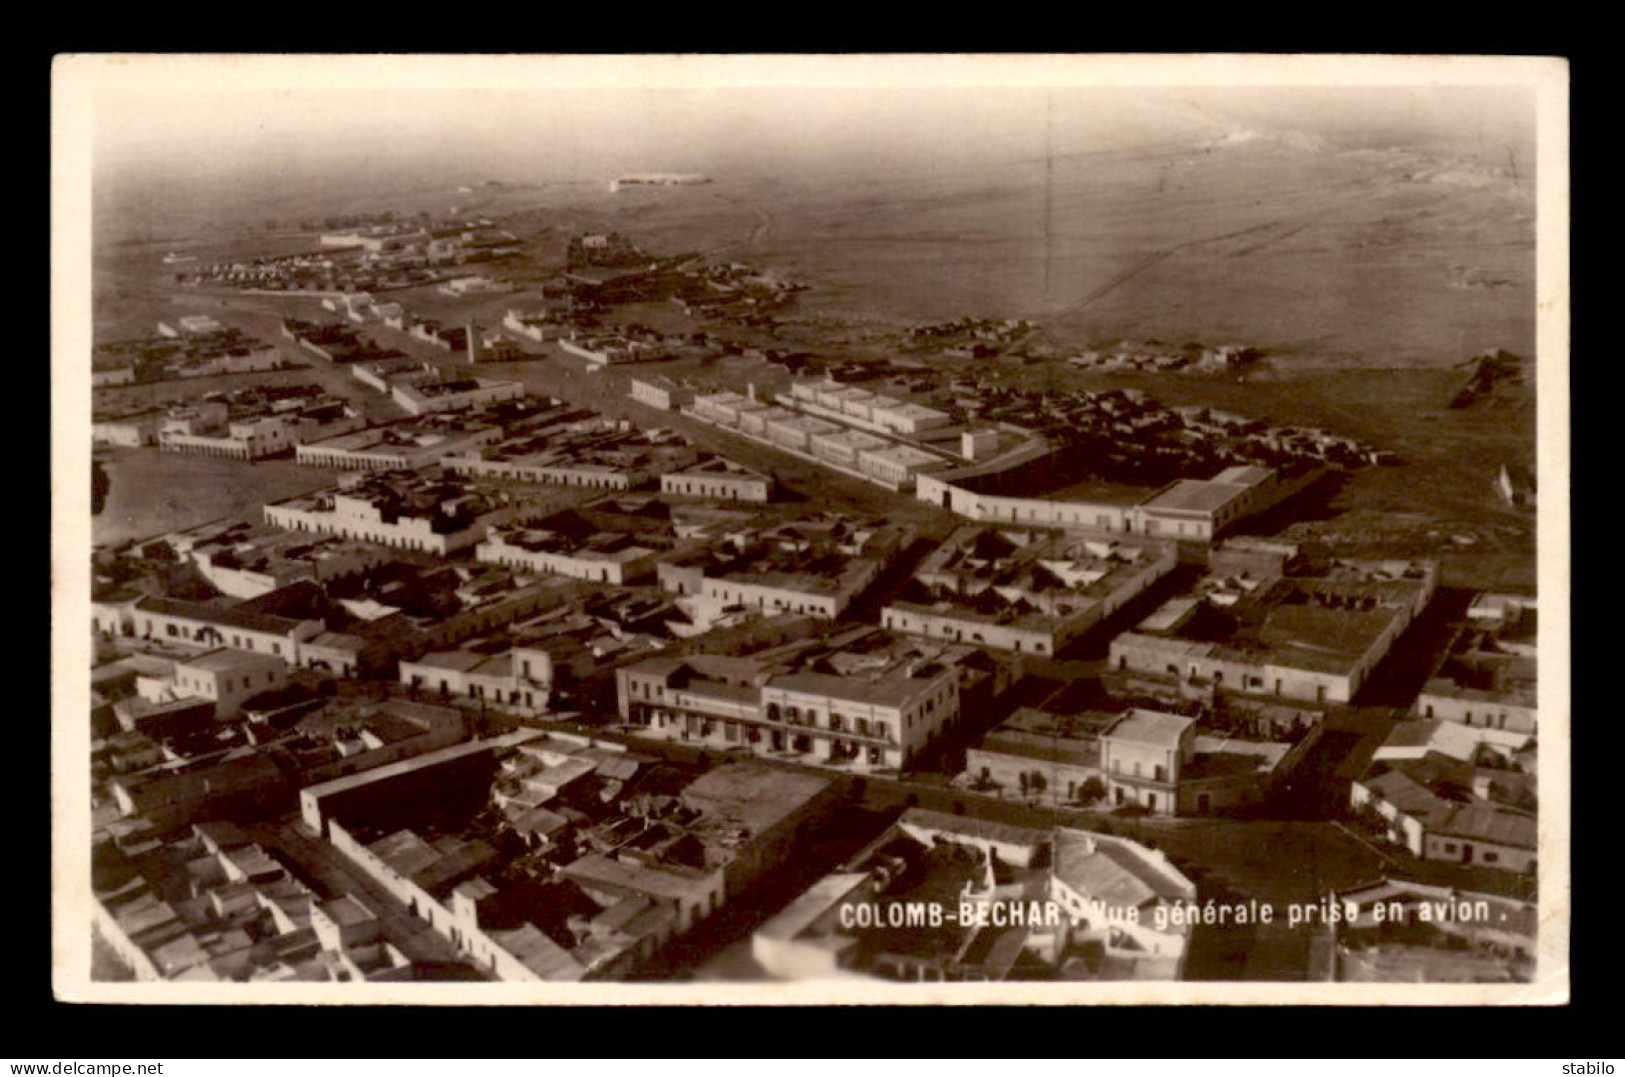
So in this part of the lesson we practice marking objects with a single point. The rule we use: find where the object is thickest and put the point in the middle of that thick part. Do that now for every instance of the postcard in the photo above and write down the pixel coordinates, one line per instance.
(895, 529)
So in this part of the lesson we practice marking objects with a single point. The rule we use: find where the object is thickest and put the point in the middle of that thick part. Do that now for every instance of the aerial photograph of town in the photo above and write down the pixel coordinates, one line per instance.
(738, 534)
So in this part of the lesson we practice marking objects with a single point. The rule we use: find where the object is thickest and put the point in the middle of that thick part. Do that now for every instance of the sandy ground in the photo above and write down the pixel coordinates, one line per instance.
(154, 492)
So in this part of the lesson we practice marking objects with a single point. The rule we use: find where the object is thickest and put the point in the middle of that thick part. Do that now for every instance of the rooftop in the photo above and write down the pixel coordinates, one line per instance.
(228, 660)
(1117, 872)
(1194, 496)
(720, 466)
(887, 690)
(346, 910)
(228, 616)
(1150, 727)
(630, 877)
(926, 819)
(753, 795)
(539, 954)
(1244, 476)
(414, 764)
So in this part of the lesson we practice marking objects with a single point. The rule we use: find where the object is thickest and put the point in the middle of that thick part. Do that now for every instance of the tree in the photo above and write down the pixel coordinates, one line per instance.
(1091, 791)
(100, 484)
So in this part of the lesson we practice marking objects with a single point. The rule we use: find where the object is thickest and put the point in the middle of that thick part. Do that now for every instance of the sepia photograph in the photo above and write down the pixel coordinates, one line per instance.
(724, 529)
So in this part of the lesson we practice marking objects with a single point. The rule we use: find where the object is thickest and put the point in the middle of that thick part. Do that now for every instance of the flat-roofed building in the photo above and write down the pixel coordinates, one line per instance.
(841, 447)
(127, 432)
(368, 795)
(757, 815)
(246, 560)
(603, 558)
(796, 432)
(1036, 755)
(1141, 755)
(609, 350)
(538, 326)
(1189, 510)
(1201, 509)
(454, 394)
(882, 718)
(519, 679)
(909, 419)
(1165, 764)
(721, 408)
(110, 376)
(1315, 638)
(865, 409)
(754, 419)
(404, 446)
(474, 285)
(169, 796)
(385, 374)
(816, 565)
(896, 465)
(579, 449)
(228, 678)
(719, 479)
(958, 495)
(404, 510)
(210, 626)
(659, 391)
(1023, 590)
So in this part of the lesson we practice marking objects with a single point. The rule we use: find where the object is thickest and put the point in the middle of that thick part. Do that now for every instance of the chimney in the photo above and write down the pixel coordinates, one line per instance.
(473, 342)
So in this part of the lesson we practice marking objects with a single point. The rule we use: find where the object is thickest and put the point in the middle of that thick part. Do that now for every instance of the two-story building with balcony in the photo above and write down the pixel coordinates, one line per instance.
(882, 720)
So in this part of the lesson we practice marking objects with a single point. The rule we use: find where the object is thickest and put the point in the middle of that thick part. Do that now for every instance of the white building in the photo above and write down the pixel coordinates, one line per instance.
(660, 392)
(1025, 590)
(227, 677)
(1315, 639)
(878, 721)
(131, 432)
(617, 560)
(518, 680)
(606, 351)
(474, 285)
(257, 438)
(123, 375)
(455, 521)
(454, 394)
(896, 466)
(1141, 756)
(539, 326)
(719, 479)
(1200, 509)
(199, 625)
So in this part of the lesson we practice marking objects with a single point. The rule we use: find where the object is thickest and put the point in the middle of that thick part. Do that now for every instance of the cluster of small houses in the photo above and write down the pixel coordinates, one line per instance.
(193, 346)
(385, 256)
(1204, 360)
(1197, 431)
(733, 292)
(986, 330)
(335, 343)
